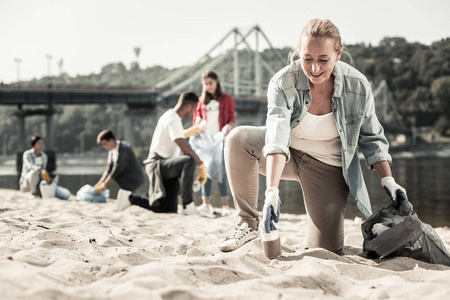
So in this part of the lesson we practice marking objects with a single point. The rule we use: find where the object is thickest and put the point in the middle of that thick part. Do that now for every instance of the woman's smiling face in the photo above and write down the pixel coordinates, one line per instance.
(318, 57)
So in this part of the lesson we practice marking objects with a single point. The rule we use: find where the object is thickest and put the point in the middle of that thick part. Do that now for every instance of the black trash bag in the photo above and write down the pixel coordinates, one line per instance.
(399, 232)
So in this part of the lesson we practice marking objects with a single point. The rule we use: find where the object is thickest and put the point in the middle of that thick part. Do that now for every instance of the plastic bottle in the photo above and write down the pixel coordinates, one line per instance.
(269, 234)
(271, 244)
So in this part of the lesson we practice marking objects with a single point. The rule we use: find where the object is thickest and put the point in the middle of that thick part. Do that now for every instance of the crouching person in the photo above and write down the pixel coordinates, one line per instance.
(34, 167)
(171, 163)
(122, 165)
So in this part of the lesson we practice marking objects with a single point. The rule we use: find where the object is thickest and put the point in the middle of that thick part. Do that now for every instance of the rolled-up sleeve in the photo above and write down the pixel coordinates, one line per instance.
(28, 161)
(277, 122)
(372, 141)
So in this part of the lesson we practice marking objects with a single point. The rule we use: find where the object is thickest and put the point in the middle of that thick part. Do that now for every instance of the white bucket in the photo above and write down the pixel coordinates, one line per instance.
(47, 190)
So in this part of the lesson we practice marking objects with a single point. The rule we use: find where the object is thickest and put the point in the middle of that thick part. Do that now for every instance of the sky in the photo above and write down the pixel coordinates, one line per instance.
(89, 34)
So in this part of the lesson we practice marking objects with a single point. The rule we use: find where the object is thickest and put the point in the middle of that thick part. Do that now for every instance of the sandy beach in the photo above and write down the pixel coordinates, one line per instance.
(54, 249)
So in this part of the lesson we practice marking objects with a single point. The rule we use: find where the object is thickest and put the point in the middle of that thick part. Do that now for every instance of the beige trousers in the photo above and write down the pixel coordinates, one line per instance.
(30, 182)
(325, 192)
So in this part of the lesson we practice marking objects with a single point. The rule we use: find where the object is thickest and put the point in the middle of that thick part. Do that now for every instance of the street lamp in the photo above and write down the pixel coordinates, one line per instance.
(18, 61)
(135, 65)
(137, 51)
(49, 59)
(60, 65)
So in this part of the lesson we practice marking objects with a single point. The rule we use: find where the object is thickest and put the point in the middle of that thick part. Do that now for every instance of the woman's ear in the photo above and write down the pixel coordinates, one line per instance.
(338, 54)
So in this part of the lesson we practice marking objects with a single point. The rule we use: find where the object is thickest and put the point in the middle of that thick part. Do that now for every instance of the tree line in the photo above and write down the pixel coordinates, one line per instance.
(418, 76)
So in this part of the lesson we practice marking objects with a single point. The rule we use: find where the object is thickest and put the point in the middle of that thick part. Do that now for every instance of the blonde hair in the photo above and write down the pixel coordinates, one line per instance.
(319, 28)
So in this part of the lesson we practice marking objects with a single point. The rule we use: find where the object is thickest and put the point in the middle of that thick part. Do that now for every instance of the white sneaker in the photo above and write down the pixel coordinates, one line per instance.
(123, 199)
(190, 210)
(225, 211)
(206, 210)
(241, 235)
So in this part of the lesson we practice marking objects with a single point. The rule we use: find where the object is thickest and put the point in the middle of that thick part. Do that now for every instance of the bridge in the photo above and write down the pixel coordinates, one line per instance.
(138, 102)
(248, 93)
(250, 104)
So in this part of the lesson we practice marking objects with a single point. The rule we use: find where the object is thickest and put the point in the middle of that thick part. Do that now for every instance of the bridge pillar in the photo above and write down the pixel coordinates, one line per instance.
(22, 139)
(132, 116)
(128, 131)
(49, 136)
(50, 143)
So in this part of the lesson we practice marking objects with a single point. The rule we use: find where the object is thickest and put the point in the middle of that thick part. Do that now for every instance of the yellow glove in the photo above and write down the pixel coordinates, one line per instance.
(191, 131)
(201, 175)
(45, 176)
(99, 187)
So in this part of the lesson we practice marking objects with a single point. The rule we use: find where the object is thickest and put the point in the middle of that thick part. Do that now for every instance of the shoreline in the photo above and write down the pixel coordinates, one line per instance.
(425, 177)
(51, 248)
(99, 159)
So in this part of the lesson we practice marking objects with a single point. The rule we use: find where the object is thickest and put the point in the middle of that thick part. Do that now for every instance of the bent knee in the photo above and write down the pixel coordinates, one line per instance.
(190, 160)
(238, 135)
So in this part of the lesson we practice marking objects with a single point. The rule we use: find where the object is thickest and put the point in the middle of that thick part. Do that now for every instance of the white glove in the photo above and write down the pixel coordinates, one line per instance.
(395, 191)
(271, 209)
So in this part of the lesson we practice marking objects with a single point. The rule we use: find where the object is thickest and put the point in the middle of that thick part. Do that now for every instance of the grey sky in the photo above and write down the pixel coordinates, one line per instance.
(88, 34)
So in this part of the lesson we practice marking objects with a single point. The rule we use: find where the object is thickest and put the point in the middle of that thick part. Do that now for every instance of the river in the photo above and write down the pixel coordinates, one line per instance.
(426, 179)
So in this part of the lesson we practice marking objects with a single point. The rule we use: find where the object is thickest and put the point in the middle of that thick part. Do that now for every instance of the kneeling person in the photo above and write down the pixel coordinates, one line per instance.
(171, 163)
(122, 165)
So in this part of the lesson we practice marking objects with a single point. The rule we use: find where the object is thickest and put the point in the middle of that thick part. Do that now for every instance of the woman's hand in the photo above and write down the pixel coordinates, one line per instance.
(226, 129)
(271, 209)
(45, 176)
(394, 190)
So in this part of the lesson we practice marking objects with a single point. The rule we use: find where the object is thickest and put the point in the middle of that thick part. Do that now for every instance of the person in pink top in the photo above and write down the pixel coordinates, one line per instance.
(216, 112)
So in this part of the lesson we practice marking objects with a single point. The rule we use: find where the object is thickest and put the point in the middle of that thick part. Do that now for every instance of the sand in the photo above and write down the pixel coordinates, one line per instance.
(54, 249)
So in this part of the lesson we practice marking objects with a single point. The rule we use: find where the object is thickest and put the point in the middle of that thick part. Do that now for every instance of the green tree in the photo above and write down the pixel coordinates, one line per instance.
(440, 89)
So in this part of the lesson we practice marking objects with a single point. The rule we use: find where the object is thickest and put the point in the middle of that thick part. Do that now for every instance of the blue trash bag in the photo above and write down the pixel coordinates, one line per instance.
(209, 149)
(87, 193)
(62, 192)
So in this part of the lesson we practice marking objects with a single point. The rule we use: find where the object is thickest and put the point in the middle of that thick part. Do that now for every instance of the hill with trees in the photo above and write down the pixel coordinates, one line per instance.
(417, 75)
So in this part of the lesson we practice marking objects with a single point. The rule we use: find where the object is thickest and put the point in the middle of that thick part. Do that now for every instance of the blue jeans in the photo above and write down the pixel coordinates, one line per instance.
(223, 186)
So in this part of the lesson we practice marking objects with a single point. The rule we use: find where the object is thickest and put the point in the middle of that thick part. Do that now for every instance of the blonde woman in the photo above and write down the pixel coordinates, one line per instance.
(319, 111)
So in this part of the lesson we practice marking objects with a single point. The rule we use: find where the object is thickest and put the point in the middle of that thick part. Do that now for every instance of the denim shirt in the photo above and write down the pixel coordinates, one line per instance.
(353, 109)
(28, 163)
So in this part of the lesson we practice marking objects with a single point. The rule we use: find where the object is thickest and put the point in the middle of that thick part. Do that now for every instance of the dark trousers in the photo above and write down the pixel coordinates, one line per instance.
(168, 204)
(182, 167)
(178, 174)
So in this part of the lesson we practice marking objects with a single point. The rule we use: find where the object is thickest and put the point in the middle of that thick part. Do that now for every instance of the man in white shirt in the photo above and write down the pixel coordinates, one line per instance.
(171, 163)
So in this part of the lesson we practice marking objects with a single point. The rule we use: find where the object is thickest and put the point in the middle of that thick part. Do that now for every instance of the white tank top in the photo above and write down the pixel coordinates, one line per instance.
(212, 117)
(319, 137)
